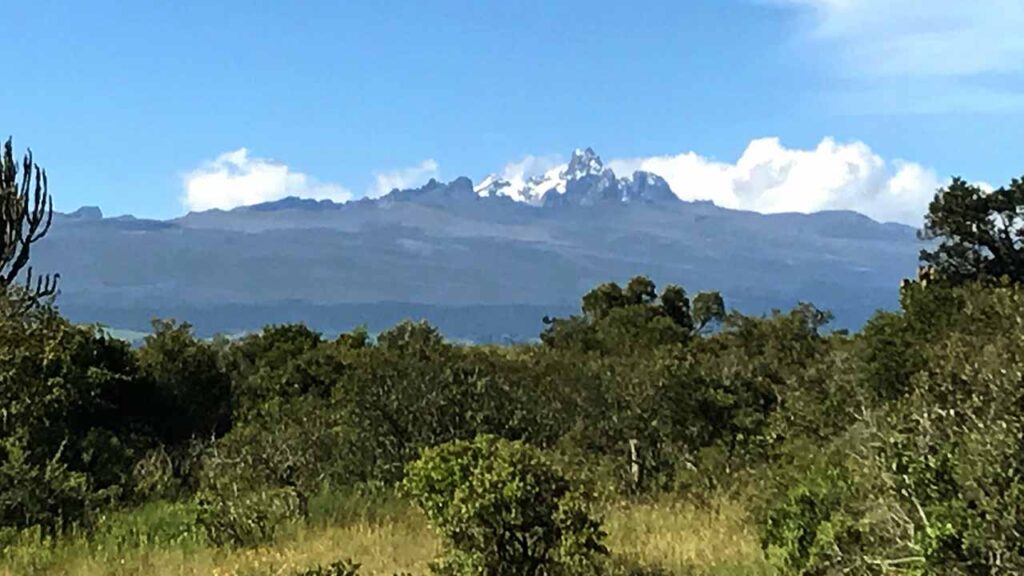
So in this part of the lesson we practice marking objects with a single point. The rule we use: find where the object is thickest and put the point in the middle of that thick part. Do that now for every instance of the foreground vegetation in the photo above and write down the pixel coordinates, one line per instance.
(391, 538)
(653, 433)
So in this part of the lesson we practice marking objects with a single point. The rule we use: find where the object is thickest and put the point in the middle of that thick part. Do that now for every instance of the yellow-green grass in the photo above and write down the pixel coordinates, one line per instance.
(391, 538)
(682, 538)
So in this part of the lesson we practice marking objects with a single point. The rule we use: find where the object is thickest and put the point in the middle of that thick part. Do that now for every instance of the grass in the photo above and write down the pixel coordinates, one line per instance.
(382, 533)
(682, 538)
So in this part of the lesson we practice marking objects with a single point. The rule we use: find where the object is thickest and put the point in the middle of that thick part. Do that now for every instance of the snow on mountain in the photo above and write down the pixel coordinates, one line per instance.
(587, 178)
(584, 162)
(527, 190)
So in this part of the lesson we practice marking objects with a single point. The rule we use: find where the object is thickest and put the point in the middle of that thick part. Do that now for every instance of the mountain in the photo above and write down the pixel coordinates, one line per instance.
(484, 262)
(584, 181)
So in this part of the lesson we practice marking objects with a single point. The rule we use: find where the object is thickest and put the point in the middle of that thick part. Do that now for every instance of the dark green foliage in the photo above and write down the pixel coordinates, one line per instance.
(617, 321)
(640, 290)
(302, 448)
(677, 307)
(414, 390)
(708, 310)
(68, 427)
(502, 509)
(278, 364)
(928, 478)
(895, 450)
(981, 233)
(42, 493)
(192, 391)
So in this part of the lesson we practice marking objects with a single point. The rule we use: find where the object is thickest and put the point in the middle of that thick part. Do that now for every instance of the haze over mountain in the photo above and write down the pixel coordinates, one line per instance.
(485, 262)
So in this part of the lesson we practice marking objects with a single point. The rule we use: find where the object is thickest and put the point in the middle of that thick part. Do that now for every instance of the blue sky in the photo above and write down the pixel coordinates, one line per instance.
(128, 104)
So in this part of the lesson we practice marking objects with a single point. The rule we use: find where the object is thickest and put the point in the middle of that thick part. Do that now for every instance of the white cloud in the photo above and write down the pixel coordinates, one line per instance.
(770, 178)
(235, 179)
(925, 37)
(957, 51)
(529, 167)
(403, 178)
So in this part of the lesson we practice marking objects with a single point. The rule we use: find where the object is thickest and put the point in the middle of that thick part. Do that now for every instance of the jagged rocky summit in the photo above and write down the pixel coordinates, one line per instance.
(584, 181)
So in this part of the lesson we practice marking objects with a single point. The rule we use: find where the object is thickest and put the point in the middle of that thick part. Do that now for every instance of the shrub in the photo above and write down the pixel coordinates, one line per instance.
(930, 481)
(246, 517)
(503, 509)
(153, 476)
(340, 568)
(48, 496)
(276, 365)
(263, 473)
(65, 446)
(834, 511)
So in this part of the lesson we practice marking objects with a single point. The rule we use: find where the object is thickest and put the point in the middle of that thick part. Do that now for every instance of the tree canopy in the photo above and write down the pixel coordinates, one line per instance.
(980, 233)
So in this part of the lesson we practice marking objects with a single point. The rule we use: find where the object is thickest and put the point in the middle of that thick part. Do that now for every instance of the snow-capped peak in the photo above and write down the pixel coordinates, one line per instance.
(584, 162)
(574, 177)
(528, 190)
(490, 186)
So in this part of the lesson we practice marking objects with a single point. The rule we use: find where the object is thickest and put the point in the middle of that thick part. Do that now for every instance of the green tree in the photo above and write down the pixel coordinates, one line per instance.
(676, 305)
(68, 425)
(414, 390)
(193, 391)
(602, 299)
(624, 321)
(708, 310)
(980, 233)
(926, 480)
(640, 290)
(277, 364)
(502, 509)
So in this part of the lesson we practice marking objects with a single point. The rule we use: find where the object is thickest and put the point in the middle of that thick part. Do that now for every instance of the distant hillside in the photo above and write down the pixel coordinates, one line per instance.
(479, 263)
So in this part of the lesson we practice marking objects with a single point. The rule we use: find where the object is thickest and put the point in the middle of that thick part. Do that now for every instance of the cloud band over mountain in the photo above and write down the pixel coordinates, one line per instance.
(768, 177)
(235, 179)
(771, 178)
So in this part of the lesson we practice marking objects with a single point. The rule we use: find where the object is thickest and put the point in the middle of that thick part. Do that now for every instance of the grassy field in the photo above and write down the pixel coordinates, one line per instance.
(386, 537)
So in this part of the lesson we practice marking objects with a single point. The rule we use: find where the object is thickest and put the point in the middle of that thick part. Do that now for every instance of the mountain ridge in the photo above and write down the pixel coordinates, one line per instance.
(434, 250)
(583, 181)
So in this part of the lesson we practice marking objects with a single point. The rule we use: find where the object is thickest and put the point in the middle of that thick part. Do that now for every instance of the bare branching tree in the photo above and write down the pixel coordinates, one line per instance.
(26, 212)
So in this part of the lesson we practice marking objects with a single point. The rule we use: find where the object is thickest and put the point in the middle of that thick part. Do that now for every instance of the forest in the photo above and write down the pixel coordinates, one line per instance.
(654, 432)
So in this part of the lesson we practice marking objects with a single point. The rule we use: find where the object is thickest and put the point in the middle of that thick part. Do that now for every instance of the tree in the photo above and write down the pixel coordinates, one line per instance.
(191, 386)
(276, 364)
(676, 305)
(409, 391)
(26, 212)
(66, 420)
(640, 290)
(599, 301)
(503, 510)
(621, 320)
(708, 310)
(981, 233)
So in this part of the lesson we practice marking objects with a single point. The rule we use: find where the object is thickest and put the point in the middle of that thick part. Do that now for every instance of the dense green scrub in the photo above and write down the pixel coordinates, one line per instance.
(893, 450)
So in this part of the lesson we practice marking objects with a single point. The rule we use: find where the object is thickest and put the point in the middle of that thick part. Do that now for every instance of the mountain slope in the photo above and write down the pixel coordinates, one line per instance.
(485, 266)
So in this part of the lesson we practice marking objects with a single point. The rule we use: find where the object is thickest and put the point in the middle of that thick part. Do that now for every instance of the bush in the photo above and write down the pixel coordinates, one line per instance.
(66, 443)
(503, 509)
(340, 568)
(48, 496)
(928, 482)
(246, 517)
